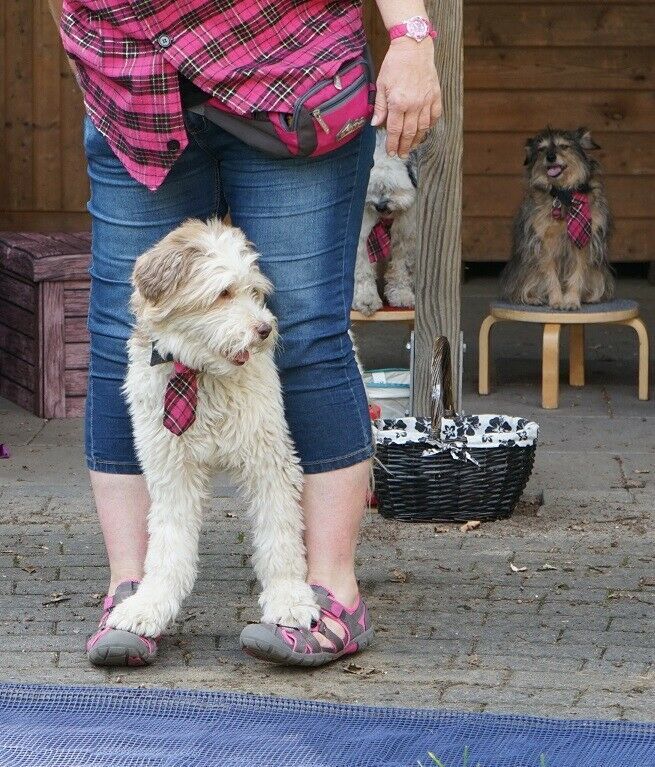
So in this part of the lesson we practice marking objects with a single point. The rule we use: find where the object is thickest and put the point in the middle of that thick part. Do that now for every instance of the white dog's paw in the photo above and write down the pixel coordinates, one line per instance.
(289, 603)
(367, 299)
(139, 616)
(400, 296)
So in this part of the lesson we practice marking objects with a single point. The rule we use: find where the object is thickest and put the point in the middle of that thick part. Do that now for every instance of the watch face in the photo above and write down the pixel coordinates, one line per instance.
(417, 28)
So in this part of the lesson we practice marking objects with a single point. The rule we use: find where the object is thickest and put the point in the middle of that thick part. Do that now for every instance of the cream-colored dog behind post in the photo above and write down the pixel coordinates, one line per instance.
(199, 300)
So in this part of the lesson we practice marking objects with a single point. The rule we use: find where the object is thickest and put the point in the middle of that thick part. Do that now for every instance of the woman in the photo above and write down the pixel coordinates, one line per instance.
(152, 163)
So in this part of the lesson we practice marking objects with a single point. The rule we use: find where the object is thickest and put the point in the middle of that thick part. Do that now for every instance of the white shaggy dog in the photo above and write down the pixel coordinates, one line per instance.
(391, 194)
(199, 296)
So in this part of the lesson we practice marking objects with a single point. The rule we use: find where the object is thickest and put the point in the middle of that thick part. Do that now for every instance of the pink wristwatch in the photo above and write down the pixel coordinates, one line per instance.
(418, 28)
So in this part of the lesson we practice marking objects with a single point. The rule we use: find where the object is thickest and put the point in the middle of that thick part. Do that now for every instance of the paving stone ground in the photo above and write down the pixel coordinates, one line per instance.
(570, 635)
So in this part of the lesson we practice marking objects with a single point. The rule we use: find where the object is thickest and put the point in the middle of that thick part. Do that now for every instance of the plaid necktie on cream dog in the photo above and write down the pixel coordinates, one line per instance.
(578, 215)
(181, 396)
(180, 399)
(378, 243)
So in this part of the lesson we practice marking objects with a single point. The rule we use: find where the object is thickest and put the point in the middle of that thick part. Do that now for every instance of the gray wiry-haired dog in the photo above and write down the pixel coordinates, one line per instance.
(547, 267)
(391, 194)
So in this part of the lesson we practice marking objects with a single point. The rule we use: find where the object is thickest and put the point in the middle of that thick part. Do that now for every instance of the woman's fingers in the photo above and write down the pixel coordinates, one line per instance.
(424, 122)
(380, 108)
(435, 110)
(394, 129)
(410, 126)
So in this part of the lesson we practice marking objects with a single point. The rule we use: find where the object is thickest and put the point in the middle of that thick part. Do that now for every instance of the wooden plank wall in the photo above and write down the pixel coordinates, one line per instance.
(526, 63)
(44, 185)
(530, 63)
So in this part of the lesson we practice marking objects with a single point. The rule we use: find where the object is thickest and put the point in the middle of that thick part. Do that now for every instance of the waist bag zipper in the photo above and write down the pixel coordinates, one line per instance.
(316, 114)
(331, 102)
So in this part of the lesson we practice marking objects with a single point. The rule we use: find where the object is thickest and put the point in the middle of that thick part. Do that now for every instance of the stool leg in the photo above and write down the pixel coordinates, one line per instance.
(637, 324)
(550, 367)
(483, 349)
(576, 355)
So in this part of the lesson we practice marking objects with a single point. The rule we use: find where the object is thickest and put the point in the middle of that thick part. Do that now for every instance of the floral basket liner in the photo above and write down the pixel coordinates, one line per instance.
(471, 431)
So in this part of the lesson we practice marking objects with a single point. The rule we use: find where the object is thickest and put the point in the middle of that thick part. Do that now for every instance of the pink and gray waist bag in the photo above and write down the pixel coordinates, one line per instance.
(331, 113)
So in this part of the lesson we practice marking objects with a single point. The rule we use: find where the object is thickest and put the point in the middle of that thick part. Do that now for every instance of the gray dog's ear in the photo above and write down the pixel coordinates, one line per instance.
(585, 140)
(529, 151)
(411, 163)
(162, 268)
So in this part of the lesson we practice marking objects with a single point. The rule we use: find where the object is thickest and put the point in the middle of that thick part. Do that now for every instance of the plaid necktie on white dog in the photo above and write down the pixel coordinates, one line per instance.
(378, 243)
(181, 396)
(180, 399)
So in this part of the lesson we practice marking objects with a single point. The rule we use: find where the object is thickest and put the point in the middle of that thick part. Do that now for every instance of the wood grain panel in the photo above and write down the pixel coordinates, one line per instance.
(77, 356)
(583, 24)
(75, 407)
(17, 370)
(46, 111)
(74, 182)
(51, 347)
(17, 344)
(16, 393)
(76, 383)
(439, 211)
(559, 68)
(75, 330)
(76, 302)
(489, 239)
(486, 195)
(44, 220)
(622, 111)
(501, 153)
(18, 150)
(17, 292)
(4, 187)
(580, 3)
(16, 318)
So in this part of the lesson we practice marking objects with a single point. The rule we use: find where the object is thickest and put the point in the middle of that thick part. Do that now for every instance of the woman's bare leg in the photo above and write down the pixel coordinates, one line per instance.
(122, 502)
(334, 504)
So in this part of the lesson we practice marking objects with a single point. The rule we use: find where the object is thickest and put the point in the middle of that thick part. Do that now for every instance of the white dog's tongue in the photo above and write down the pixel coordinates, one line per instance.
(554, 171)
(241, 358)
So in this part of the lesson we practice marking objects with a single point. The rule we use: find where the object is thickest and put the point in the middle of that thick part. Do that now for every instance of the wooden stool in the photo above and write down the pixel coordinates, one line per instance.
(618, 312)
(386, 314)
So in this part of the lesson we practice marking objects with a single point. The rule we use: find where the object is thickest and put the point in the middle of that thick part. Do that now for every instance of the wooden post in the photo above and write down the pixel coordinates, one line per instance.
(439, 257)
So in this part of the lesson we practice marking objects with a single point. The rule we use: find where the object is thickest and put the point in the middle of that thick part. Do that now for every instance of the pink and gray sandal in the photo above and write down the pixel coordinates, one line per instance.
(301, 646)
(114, 647)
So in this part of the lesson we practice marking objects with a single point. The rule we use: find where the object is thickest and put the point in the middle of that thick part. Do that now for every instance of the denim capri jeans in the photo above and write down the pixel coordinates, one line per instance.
(303, 216)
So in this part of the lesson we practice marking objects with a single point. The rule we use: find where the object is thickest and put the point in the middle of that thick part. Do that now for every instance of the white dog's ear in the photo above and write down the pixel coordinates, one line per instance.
(168, 263)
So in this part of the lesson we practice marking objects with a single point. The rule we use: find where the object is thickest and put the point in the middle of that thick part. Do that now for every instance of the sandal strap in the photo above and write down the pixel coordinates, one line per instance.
(352, 622)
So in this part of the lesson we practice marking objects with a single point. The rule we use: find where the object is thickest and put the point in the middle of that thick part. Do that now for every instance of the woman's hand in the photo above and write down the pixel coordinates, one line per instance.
(408, 94)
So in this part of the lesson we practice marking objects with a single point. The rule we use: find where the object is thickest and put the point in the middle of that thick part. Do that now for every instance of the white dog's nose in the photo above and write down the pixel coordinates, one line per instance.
(264, 330)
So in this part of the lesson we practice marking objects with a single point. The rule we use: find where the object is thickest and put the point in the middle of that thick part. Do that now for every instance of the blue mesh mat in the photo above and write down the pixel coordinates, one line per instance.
(47, 726)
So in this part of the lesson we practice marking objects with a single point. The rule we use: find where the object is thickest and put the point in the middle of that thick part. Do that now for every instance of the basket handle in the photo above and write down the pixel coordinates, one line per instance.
(441, 391)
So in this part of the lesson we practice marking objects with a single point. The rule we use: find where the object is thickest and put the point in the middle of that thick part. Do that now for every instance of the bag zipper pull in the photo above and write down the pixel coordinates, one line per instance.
(337, 82)
(316, 114)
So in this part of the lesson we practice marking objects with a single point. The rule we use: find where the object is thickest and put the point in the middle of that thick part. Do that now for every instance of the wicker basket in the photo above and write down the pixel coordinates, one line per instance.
(451, 468)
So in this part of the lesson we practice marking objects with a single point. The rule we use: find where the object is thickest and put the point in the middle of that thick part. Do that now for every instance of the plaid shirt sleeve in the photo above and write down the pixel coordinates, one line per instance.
(251, 55)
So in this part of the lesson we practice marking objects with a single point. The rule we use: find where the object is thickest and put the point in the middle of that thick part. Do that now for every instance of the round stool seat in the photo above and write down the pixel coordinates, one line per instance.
(609, 311)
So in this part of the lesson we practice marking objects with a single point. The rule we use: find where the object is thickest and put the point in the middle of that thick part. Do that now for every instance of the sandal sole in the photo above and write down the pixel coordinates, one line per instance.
(260, 643)
(120, 654)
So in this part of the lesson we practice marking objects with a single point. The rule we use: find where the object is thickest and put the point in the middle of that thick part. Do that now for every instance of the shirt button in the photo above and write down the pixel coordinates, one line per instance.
(164, 41)
(173, 145)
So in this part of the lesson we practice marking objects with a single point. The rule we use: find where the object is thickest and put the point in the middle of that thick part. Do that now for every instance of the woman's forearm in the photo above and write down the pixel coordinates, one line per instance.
(408, 98)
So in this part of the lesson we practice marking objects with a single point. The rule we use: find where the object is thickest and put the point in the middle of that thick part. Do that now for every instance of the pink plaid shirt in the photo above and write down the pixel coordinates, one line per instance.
(250, 55)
